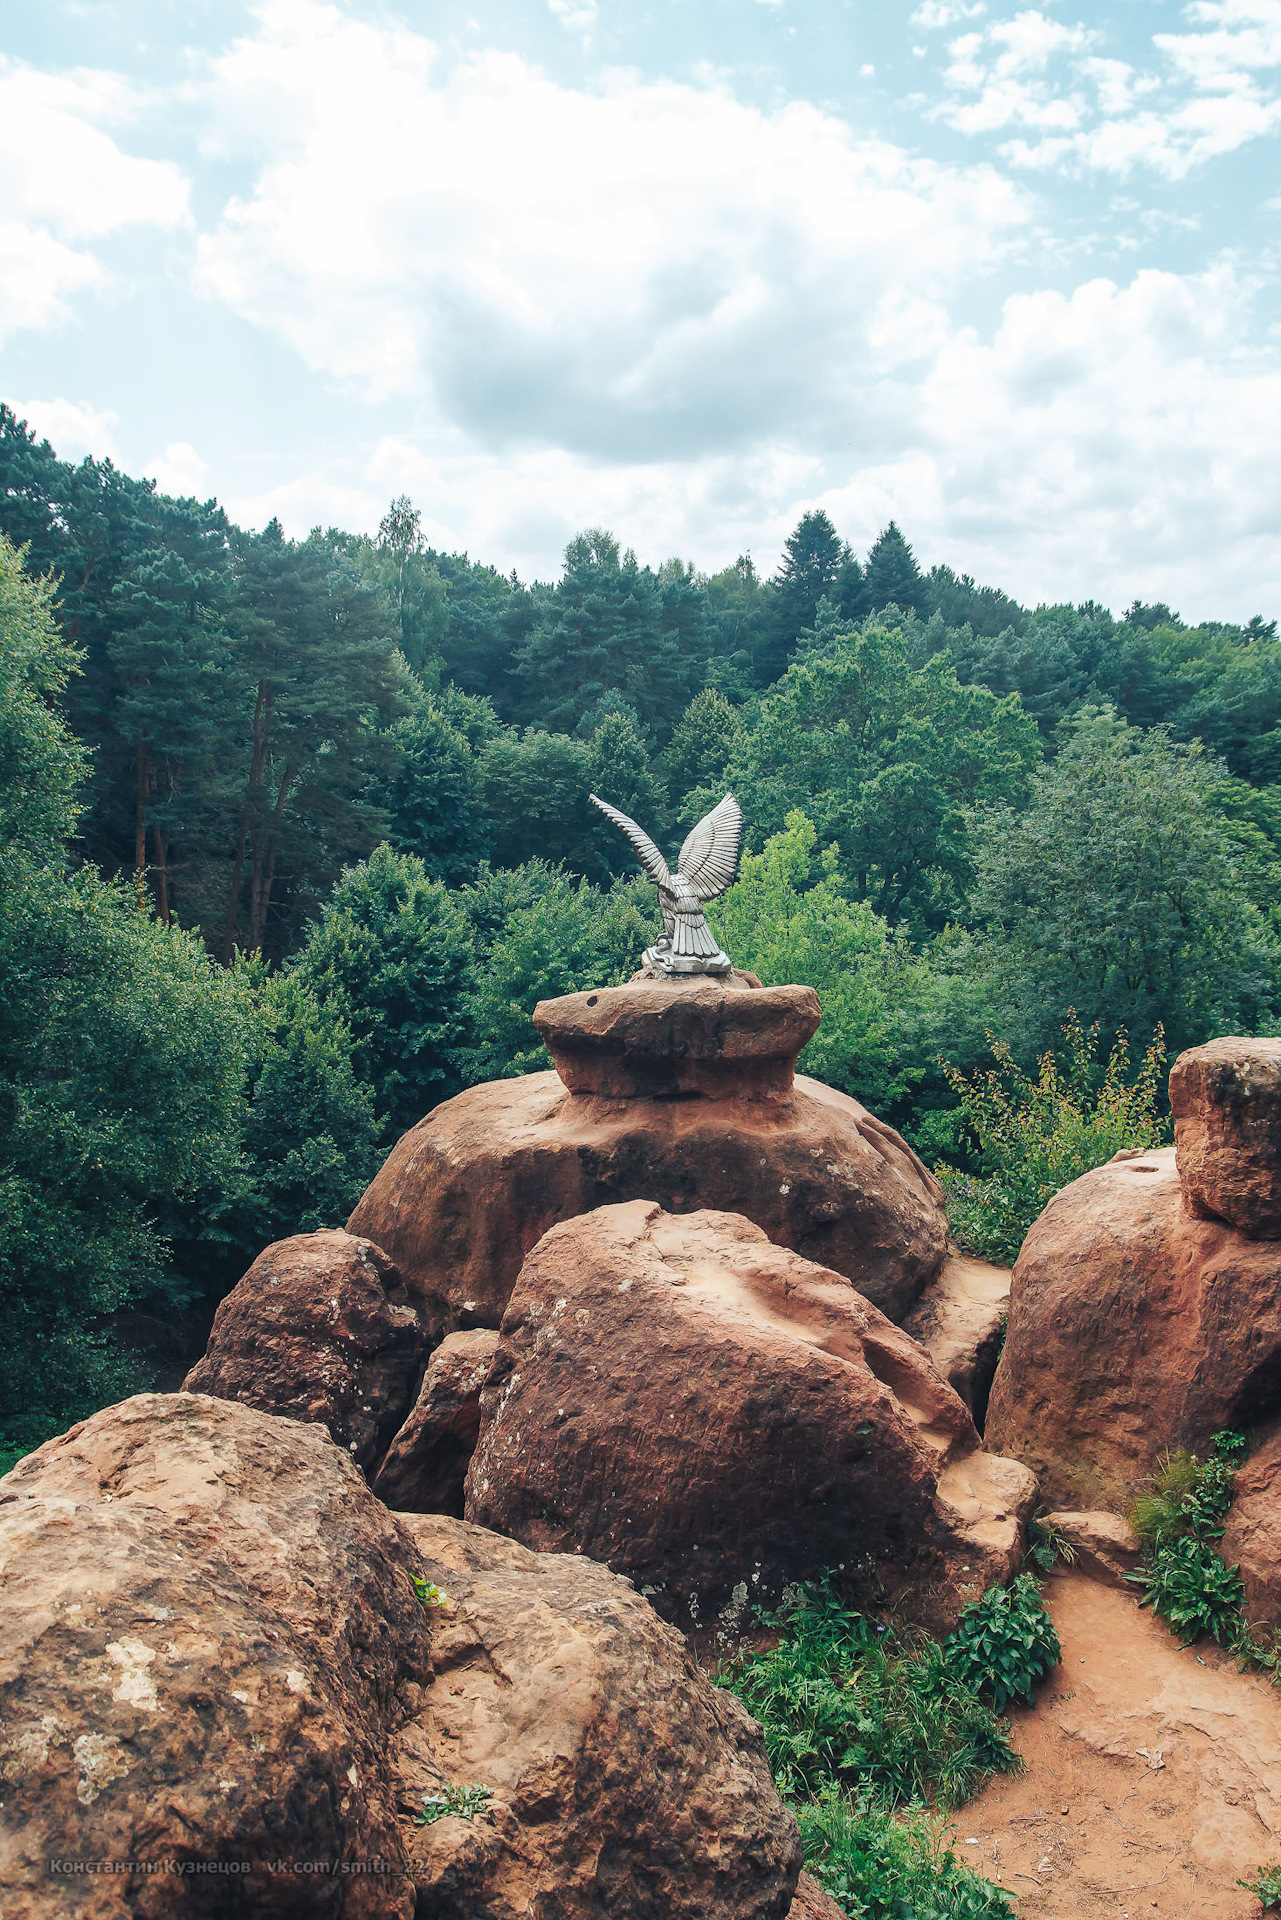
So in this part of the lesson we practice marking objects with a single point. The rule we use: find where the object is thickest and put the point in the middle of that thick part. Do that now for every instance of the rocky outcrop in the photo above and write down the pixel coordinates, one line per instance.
(716, 1120)
(719, 1418)
(1104, 1546)
(208, 1622)
(424, 1468)
(960, 1321)
(1132, 1328)
(1252, 1535)
(623, 1784)
(1226, 1100)
(320, 1329)
(215, 1656)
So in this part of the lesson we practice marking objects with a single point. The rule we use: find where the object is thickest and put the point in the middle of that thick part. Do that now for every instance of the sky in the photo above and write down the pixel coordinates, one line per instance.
(681, 268)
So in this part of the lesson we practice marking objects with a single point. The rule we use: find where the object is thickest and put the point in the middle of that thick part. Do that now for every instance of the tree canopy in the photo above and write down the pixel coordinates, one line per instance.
(296, 832)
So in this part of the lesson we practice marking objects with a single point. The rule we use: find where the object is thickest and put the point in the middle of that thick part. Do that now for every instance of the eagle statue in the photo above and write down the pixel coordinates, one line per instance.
(707, 865)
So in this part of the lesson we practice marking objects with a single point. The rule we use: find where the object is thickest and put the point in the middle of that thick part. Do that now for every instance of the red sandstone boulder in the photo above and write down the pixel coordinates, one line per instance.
(213, 1654)
(207, 1623)
(1226, 1100)
(424, 1468)
(1132, 1328)
(469, 1190)
(719, 1419)
(624, 1784)
(320, 1328)
(1252, 1536)
(811, 1903)
(1104, 1546)
(666, 1039)
(960, 1321)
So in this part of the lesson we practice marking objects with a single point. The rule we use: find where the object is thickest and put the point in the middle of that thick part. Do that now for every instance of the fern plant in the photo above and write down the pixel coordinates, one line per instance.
(840, 1701)
(1179, 1518)
(883, 1866)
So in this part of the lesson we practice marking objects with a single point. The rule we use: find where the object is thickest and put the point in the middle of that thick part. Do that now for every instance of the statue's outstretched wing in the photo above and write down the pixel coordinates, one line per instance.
(651, 859)
(709, 858)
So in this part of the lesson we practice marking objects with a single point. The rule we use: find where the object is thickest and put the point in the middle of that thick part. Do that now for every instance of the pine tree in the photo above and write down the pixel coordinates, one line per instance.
(812, 558)
(435, 800)
(892, 577)
(391, 956)
(701, 744)
(176, 686)
(621, 770)
(739, 611)
(402, 567)
(602, 632)
(325, 678)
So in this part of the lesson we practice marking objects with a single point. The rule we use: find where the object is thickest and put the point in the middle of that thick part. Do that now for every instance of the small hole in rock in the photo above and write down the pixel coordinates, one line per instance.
(592, 998)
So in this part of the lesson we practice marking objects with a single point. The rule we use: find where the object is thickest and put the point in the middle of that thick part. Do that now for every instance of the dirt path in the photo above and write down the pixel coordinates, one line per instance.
(1153, 1775)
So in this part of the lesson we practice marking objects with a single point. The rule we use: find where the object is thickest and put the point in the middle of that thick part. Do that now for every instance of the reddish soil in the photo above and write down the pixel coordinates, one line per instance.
(1153, 1775)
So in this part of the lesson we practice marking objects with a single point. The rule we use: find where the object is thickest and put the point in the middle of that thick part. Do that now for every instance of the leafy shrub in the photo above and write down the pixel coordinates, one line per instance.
(1179, 1519)
(841, 1704)
(882, 1866)
(1189, 1586)
(1266, 1887)
(1004, 1643)
(1186, 1495)
(857, 1725)
(1033, 1137)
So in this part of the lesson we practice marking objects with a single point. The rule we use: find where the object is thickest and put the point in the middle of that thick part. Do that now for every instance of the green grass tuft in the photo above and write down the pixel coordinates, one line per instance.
(883, 1866)
(867, 1734)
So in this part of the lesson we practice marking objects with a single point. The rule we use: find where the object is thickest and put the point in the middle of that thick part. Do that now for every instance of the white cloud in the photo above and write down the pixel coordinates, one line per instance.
(1006, 70)
(632, 271)
(1123, 436)
(64, 180)
(179, 470)
(72, 427)
(654, 306)
(1215, 87)
(933, 14)
(310, 500)
(1115, 442)
(575, 14)
(38, 276)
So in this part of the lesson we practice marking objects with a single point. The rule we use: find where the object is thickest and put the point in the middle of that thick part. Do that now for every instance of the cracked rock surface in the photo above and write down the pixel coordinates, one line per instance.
(718, 1418)
(212, 1654)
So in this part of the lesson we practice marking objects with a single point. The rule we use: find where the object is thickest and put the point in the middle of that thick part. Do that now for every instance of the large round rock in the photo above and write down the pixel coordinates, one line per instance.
(1252, 1536)
(624, 1784)
(214, 1657)
(686, 1096)
(1133, 1328)
(320, 1328)
(718, 1419)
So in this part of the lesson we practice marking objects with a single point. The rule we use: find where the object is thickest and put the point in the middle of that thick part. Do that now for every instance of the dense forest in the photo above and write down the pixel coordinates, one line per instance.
(295, 833)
